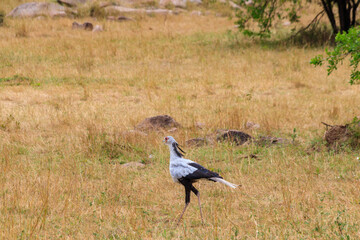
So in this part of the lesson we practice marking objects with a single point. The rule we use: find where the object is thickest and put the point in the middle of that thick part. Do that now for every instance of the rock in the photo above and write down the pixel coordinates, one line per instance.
(268, 140)
(337, 134)
(197, 2)
(178, 3)
(175, 3)
(158, 11)
(249, 2)
(157, 123)
(251, 125)
(235, 136)
(133, 165)
(121, 10)
(71, 3)
(86, 26)
(98, 28)
(34, 9)
(196, 142)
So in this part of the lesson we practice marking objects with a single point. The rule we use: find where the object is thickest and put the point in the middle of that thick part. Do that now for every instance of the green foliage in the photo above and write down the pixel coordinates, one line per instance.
(262, 14)
(354, 128)
(346, 44)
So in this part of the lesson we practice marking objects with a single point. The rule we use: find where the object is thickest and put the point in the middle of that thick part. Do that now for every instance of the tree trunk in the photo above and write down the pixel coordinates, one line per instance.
(327, 5)
(344, 15)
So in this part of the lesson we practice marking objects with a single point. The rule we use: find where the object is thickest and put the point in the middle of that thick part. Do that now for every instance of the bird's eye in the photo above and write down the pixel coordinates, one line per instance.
(166, 138)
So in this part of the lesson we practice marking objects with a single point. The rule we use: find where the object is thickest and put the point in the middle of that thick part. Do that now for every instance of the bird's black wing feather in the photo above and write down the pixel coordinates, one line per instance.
(176, 150)
(201, 172)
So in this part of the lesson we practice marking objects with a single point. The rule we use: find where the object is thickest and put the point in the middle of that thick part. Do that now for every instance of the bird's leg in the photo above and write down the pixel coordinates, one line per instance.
(187, 201)
(187, 204)
(197, 193)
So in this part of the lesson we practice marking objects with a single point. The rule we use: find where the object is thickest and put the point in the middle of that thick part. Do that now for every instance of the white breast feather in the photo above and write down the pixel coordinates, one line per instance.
(181, 168)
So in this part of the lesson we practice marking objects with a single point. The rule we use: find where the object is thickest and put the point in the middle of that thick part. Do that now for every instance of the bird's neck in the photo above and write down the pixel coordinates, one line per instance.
(173, 153)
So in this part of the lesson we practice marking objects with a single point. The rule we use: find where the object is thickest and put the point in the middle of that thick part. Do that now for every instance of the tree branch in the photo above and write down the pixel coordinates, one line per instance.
(314, 21)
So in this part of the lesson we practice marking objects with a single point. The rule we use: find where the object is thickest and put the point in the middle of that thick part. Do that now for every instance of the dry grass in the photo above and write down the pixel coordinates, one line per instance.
(66, 98)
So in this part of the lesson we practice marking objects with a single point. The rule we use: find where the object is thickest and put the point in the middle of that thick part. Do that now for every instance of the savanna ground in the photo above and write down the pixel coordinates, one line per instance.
(67, 98)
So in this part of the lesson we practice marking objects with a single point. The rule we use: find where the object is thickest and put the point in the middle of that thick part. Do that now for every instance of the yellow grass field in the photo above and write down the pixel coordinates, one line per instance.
(69, 97)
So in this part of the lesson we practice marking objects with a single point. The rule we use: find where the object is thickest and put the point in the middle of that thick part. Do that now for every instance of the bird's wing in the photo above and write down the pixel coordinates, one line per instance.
(201, 172)
(190, 170)
(181, 169)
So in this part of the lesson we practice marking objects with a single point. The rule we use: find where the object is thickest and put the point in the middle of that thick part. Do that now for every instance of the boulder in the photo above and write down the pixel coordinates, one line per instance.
(234, 136)
(159, 122)
(34, 9)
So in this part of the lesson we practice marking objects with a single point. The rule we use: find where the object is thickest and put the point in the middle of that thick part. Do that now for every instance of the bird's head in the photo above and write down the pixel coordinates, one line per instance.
(174, 146)
(169, 140)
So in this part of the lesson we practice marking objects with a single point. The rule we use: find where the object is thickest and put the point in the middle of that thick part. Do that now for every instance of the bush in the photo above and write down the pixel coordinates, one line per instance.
(347, 46)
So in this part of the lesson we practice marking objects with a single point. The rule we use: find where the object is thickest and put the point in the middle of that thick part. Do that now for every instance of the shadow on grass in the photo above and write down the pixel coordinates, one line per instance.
(314, 37)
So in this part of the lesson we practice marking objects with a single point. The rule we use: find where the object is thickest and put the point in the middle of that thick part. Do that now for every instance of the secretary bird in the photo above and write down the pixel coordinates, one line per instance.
(186, 172)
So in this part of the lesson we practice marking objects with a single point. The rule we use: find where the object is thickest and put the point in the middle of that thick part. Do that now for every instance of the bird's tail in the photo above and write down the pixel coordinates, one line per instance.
(224, 182)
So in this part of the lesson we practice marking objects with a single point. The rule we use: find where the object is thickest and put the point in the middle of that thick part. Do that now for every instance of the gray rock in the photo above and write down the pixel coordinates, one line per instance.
(234, 136)
(159, 122)
(121, 10)
(98, 28)
(175, 3)
(198, 2)
(34, 9)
